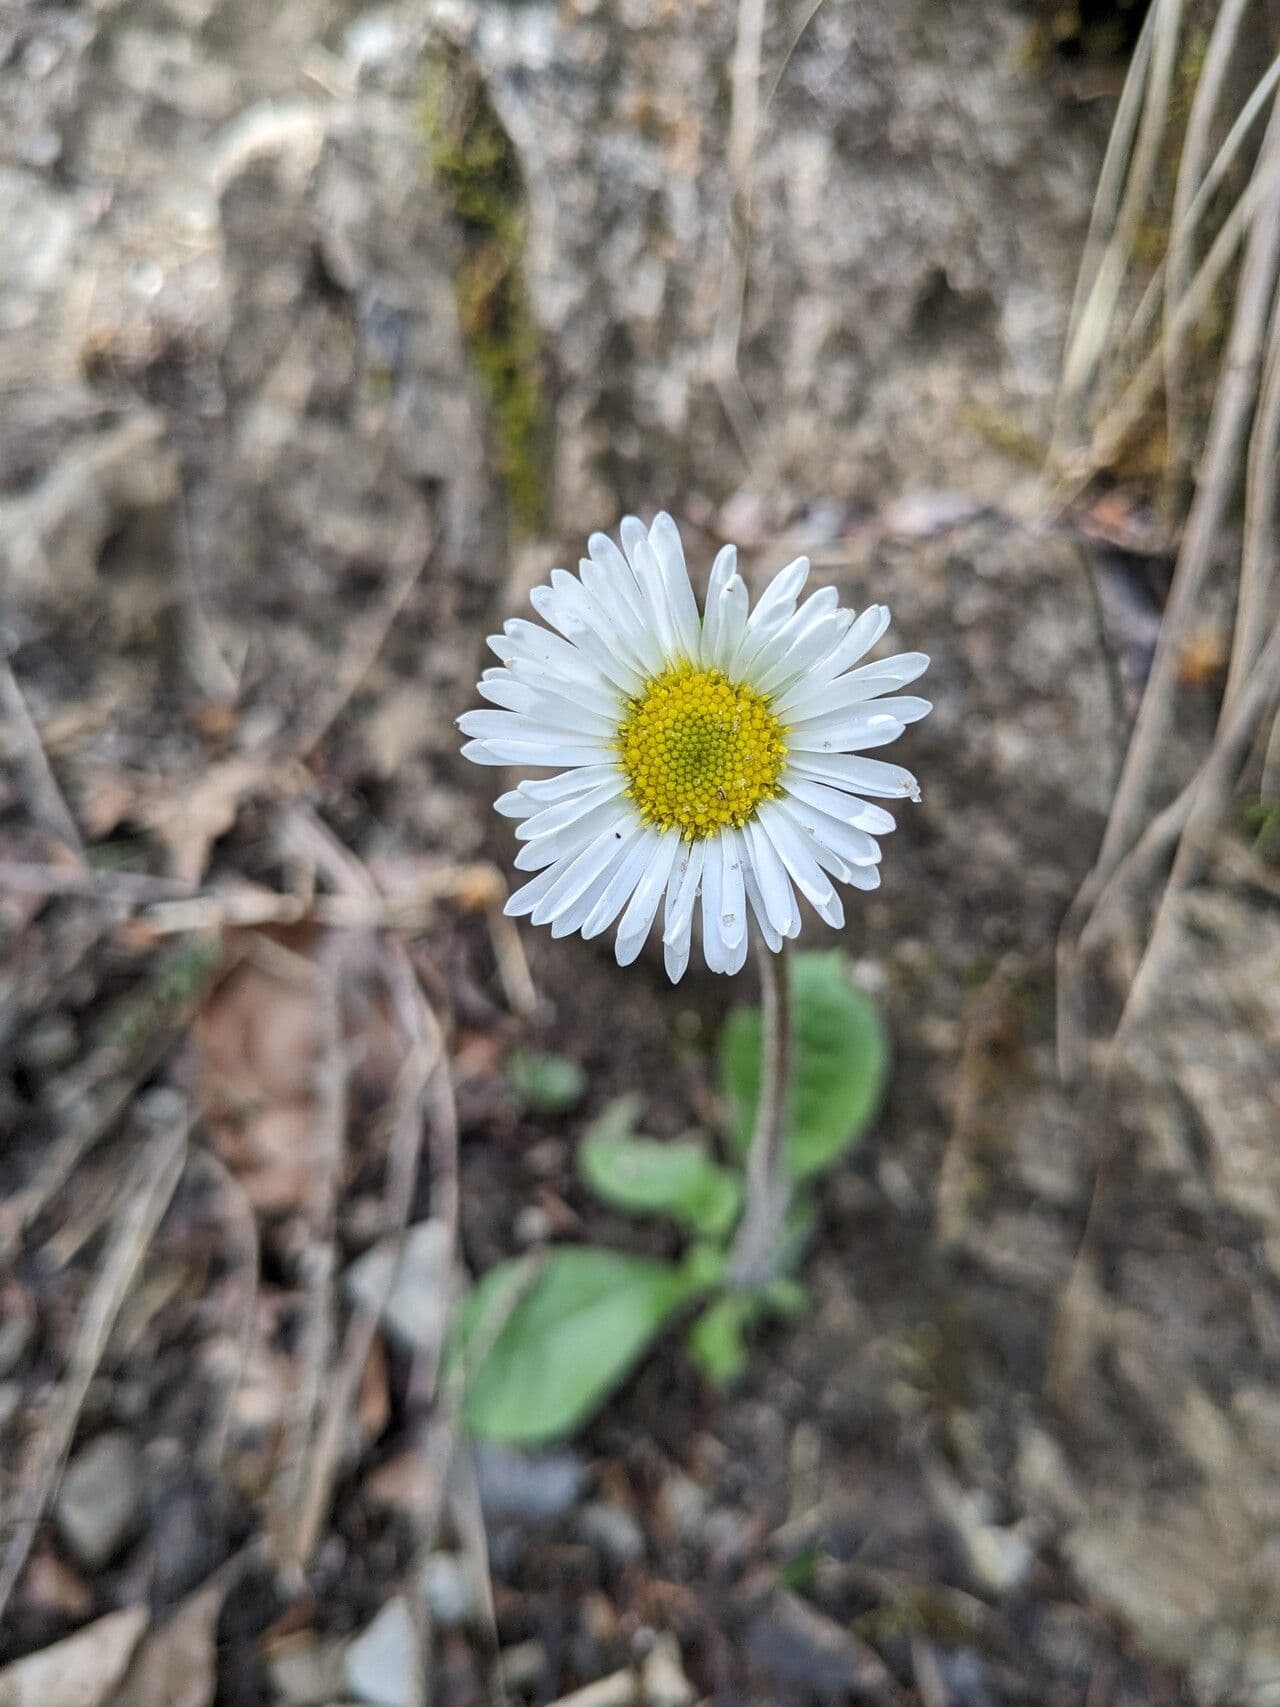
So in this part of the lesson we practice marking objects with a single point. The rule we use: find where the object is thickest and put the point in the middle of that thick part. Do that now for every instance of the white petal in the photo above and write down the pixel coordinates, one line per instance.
(537, 645)
(564, 812)
(666, 616)
(576, 913)
(558, 755)
(843, 731)
(499, 687)
(845, 808)
(575, 875)
(610, 820)
(715, 950)
(907, 708)
(622, 884)
(733, 900)
(770, 935)
(773, 881)
(607, 615)
(722, 572)
(866, 776)
(732, 621)
(859, 640)
(776, 604)
(664, 537)
(791, 848)
(737, 956)
(682, 892)
(773, 664)
(853, 846)
(549, 724)
(636, 921)
(544, 789)
(893, 672)
(567, 608)
(807, 647)
(524, 900)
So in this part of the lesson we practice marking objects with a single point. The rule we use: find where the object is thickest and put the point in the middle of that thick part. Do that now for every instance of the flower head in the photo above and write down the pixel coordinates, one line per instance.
(709, 758)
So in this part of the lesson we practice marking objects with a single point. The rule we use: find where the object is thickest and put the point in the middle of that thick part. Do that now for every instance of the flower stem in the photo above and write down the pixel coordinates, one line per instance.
(756, 1249)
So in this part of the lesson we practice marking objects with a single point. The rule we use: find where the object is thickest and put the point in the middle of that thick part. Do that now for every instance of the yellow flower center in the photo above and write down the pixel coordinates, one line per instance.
(700, 752)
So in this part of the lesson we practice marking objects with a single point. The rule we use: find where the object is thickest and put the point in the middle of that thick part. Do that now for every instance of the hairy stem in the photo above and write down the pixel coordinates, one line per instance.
(758, 1244)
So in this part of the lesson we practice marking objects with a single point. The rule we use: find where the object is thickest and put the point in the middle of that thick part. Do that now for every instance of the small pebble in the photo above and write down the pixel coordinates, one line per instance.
(99, 1506)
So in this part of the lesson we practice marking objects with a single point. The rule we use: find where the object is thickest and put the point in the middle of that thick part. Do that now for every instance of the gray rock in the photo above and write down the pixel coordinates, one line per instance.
(449, 1589)
(612, 1531)
(527, 1488)
(416, 1288)
(663, 1677)
(306, 1673)
(998, 1558)
(378, 1666)
(799, 1646)
(99, 1505)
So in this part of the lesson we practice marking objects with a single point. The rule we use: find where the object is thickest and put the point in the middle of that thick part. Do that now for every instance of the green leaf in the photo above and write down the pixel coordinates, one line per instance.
(840, 1060)
(547, 1084)
(716, 1342)
(543, 1348)
(643, 1176)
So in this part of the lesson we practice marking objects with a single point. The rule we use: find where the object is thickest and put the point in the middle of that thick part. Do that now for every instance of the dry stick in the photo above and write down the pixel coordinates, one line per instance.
(157, 1176)
(1258, 552)
(319, 1266)
(1195, 148)
(215, 1450)
(40, 778)
(1232, 406)
(755, 1249)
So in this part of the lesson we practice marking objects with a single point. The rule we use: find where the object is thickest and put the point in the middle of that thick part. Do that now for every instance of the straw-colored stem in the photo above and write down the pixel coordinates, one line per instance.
(758, 1245)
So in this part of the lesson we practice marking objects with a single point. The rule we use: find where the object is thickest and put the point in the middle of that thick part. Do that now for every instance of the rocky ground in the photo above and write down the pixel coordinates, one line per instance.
(327, 331)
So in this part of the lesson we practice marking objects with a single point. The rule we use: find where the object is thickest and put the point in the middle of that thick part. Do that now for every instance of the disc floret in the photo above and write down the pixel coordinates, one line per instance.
(700, 752)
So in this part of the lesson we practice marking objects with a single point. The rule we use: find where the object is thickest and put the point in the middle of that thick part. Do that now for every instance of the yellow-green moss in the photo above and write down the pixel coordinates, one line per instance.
(474, 163)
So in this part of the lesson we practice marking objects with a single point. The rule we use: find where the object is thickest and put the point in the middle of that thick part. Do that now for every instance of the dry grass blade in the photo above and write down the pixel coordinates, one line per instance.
(1258, 552)
(1259, 692)
(327, 1449)
(1232, 409)
(424, 1081)
(1143, 107)
(1190, 177)
(1188, 296)
(154, 1183)
(47, 800)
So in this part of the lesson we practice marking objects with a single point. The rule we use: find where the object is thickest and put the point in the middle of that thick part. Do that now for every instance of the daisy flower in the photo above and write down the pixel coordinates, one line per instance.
(704, 763)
